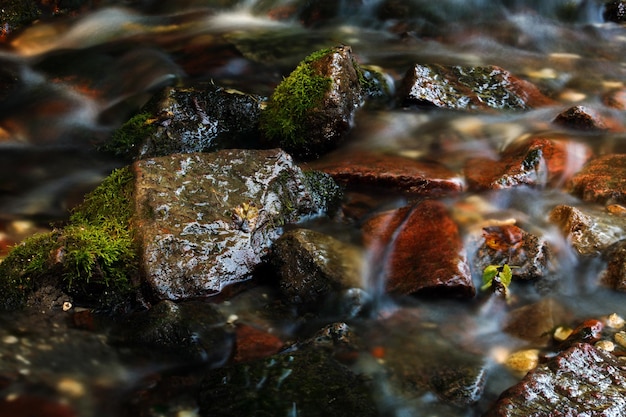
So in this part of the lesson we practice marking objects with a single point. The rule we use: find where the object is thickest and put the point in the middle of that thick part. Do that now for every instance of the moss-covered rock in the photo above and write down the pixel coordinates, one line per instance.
(93, 257)
(313, 108)
(125, 141)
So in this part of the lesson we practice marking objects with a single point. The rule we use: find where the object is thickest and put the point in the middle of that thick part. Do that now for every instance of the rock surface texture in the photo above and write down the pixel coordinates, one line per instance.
(206, 220)
(581, 381)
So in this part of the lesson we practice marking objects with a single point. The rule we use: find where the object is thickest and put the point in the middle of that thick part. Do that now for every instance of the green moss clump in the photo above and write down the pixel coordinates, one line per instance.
(283, 120)
(94, 257)
(125, 140)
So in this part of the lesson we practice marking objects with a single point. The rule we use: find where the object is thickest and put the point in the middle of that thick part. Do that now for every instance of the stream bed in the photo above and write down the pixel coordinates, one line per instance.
(67, 82)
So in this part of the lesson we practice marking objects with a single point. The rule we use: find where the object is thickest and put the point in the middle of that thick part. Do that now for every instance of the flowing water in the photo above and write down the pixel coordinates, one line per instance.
(80, 78)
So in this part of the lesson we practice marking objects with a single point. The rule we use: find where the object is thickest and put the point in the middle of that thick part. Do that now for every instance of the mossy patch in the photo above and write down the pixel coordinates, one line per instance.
(93, 257)
(284, 118)
(125, 141)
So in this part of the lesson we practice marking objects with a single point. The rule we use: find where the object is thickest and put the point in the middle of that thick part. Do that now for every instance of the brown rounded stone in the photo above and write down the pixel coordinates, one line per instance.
(426, 253)
(581, 118)
(602, 180)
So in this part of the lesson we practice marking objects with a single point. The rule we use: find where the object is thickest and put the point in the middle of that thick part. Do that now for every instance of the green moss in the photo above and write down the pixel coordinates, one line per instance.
(93, 257)
(125, 140)
(324, 190)
(283, 120)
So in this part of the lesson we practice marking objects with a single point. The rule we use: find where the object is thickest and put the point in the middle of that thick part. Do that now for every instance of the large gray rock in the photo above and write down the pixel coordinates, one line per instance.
(200, 118)
(206, 220)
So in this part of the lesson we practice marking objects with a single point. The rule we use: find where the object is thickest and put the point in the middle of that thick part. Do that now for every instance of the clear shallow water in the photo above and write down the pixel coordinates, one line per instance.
(81, 78)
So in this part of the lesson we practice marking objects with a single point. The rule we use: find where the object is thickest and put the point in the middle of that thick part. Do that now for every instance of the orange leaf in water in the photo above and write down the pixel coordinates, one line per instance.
(503, 238)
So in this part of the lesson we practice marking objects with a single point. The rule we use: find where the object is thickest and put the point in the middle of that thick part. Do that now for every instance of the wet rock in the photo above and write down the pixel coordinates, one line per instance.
(390, 171)
(306, 383)
(468, 88)
(602, 180)
(312, 266)
(535, 322)
(313, 108)
(418, 249)
(206, 220)
(253, 343)
(189, 331)
(200, 118)
(537, 161)
(589, 331)
(614, 11)
(528, 254)
(441, 367)
(581, 118)
(589, 232)
(579, 381)
(615, 274)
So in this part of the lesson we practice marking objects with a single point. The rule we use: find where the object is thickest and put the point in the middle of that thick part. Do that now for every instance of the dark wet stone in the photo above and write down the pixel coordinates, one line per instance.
(253, 343)
(535, 322)
(441, 367)
(419, 250)
(579, 381)
(614, 11)
(581, 118)
(188, 331)
(206, 220)
(313, 109)
(615, 274)
(602, 180)
(306, 383)
(199, 119)
(588, 232)
(497, 245)
(313, 265)
(390, 172)
(537, 161)
(468, 88)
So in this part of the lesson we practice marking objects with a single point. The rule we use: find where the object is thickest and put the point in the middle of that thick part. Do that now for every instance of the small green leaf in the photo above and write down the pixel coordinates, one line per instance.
(489, 274)
(506, 275)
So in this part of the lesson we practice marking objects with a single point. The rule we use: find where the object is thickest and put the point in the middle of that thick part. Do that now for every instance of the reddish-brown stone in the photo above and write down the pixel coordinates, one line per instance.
(426, 252)
(614, 276)
(390, 171)
(253, 343)
(602, 180)
(537, 161)
(587, 119)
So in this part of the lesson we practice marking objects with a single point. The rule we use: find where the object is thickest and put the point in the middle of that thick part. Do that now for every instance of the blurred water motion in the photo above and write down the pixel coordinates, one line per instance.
(67, 83)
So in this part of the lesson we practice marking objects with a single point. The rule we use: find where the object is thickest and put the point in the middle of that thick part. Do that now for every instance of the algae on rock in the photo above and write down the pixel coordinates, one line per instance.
(93, 257)
(313, 108)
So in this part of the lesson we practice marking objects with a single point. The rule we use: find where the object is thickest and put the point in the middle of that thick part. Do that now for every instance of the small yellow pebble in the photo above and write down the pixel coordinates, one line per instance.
(620, 338)
(523, 360)
(605, 345)
(10, 339)
(67, 306)
(561, 333)
(614, 321)
(71, 387)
